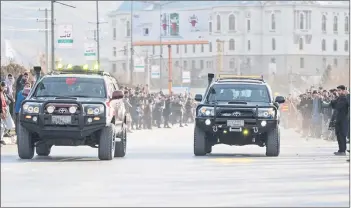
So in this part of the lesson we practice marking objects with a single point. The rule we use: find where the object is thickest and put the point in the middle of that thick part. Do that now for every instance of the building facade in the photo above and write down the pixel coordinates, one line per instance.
(243, 38)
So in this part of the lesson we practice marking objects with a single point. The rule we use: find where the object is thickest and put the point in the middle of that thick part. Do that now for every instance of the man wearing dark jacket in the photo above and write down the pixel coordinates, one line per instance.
(341, 105)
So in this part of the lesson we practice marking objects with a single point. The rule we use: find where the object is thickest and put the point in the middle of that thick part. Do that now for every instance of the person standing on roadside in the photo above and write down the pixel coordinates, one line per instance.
(3, 112)
(20, 97)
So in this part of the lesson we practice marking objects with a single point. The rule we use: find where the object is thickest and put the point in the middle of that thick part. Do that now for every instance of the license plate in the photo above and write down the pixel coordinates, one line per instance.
(235, 123)
(61, 120)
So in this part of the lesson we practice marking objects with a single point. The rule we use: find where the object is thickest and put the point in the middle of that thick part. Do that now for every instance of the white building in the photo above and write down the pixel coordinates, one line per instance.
(302, 37)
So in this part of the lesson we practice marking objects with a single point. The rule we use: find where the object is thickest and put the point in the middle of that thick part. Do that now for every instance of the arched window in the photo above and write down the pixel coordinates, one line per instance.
(346, 46)
(218, 23)
(231, 45)
(335, 24)
(323, 45)
(248, 45)
(335, 45)
(202, 48)
(127, 28)
(301, 44)
(273, 44)
(273, 21)
(346, 24)
(194, 48)
(231, 22)
(302, 21)
(232, 63)
(210, 27)
(324, 23)
(210, 47)
(185, 48)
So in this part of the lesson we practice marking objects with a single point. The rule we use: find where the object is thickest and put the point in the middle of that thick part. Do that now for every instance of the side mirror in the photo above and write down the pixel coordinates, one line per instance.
(118, 94)
(198, 97)
(279, 99)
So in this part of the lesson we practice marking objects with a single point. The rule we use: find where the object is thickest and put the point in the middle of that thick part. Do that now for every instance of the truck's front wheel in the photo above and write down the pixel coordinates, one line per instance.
(25, 143)
(273, 143)
(106, 143)
(121, 146)
(199, 142)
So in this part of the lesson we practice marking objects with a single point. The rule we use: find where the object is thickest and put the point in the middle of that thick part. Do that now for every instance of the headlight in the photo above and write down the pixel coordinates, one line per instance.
(50, 109)
(206, 111)
(31, 107)
(266, 113)
(93, 109)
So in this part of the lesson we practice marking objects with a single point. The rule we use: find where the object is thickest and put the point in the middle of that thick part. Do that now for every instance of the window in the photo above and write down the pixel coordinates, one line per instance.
(301, 44)
(177, 49)
(210, 47)
(80, 86)
(346, 46)
(231, 22)
(176, 64)
(335, 45)
(128, 29)
(218, 23)
(185, 64)
(201, 64)
(273, 44)
(193, 64)
(302, 63)
(248, 25)
(114, 68)
(194, 48)
(248, 45)
(302, 21)
(114, 34)
(323, 45)
(146, 31)
(185, 48)
(125, 50)
(335, 62)
(202, 48)
(124, 66)
(231, 45)
(232, 63)
(324, 23)
(346, 24)
(272, 21)
(153, 50)
(273, 60)
(335, 24)
(210, 27)
(114, 52)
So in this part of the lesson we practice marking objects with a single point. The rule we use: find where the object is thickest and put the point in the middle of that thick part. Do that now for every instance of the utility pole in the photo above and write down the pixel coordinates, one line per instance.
(52, 37)
(131, 44)
(97, 34)
(46, 38)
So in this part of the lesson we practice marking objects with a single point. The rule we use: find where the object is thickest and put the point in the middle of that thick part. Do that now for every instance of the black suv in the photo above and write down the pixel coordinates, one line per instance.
(237, 110)
(73, 108)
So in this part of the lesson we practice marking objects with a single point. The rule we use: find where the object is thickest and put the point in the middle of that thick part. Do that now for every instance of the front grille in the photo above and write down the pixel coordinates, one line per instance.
(62, 109)
(234, 113)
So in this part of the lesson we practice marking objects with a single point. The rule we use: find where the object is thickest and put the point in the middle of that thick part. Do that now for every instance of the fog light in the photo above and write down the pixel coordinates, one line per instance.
(224, 131)
(35, 118)
(72, 109)
(245, 132)
(50, 109)
(208, 122)
(263, 123)
(90, 120)
(28, 117)
(96, 118)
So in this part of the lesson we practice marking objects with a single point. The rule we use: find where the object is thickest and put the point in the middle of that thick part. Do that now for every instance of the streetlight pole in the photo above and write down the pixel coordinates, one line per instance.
(97, 34)
(131, 44)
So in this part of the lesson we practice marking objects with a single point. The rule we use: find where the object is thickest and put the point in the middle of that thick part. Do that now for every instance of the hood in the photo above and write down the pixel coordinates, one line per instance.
(78, 99)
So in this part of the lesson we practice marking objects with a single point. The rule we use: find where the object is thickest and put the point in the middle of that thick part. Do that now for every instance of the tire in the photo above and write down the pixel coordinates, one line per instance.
(43, 150)
(199, 142)
(121, 147)
(106, 143)
(25, 143)
(273, 143)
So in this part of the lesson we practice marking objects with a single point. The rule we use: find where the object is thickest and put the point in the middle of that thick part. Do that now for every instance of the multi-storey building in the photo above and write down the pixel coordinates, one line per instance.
(255, 37)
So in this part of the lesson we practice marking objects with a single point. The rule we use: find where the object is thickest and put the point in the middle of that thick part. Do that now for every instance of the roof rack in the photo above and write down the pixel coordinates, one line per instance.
(228, 77)
(74, 71)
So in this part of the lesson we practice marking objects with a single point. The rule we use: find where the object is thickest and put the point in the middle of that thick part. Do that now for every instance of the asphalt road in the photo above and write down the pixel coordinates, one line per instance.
(160, 170)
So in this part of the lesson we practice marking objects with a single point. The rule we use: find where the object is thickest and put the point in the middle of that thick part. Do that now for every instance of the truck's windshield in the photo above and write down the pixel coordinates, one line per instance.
(71, 87)
(238, 92)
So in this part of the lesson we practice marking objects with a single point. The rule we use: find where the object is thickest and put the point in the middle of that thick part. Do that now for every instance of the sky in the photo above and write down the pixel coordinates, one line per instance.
(19, 25)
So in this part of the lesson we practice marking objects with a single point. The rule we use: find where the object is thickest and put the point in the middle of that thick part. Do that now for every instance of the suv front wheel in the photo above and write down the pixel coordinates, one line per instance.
(121, 145)
(25, 143)
(107, 143)
(273, 143)
(200, 144)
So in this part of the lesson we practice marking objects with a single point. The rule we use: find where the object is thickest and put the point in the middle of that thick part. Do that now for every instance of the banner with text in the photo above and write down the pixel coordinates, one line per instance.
(186, 77)
(65, 36)
(155, 72)
(90, 51)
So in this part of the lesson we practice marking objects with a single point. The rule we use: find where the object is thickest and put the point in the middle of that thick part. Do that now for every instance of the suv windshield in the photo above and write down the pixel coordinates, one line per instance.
(71, 87)
(238, 92)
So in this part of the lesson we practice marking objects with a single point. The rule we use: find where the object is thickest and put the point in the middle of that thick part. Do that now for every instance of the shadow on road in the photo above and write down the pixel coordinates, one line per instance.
(43, 159)
(236, 155)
